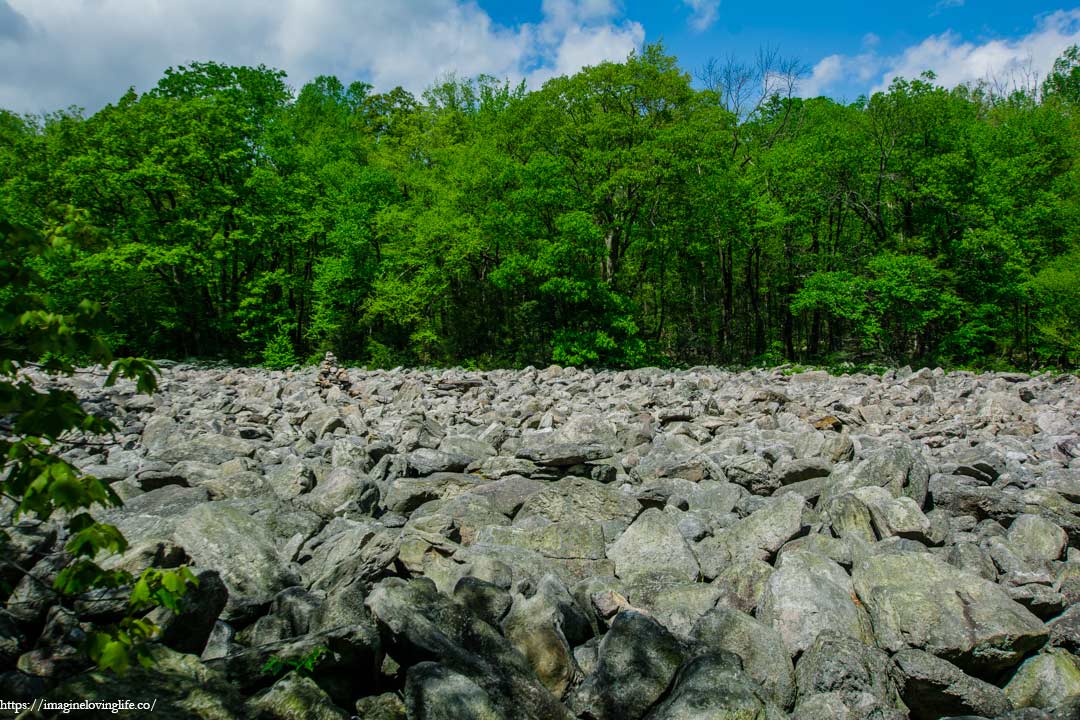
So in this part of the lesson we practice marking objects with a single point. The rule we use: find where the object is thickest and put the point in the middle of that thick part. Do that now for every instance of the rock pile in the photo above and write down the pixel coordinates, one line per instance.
(561, 543)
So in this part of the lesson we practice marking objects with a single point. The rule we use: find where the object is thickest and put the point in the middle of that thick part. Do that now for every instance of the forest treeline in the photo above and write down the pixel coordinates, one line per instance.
(627, 215)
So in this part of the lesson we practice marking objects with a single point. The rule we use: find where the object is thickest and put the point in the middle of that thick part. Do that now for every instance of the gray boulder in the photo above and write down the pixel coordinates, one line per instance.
(714, 686)
(434, 692)
(293, 697)
(223, 537)
(917, 600)
(933, 688)
(417, 624)
(839, 664)
(636, 663)
(651, 544)
(761, 649)
(807, 595)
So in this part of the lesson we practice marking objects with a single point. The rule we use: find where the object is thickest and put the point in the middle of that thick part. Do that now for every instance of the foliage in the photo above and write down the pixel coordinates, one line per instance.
(37, 424)
(304, 665)
(616, 217)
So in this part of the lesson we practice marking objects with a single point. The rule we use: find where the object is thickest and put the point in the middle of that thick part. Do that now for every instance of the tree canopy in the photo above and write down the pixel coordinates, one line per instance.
(622, 216)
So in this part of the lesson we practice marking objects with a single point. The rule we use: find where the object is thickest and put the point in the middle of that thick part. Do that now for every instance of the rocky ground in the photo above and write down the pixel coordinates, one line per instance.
(607, 545)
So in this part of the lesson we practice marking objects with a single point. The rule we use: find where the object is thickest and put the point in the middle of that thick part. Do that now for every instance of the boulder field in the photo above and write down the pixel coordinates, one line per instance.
(563, 543)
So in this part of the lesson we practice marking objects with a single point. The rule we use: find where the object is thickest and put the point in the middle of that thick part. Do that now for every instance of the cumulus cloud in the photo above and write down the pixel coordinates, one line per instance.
(87, 52)
(951, 58)
(703, 13)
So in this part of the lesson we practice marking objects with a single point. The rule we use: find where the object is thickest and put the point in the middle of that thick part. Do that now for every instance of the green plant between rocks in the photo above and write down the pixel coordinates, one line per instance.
(305, 665)
(37, 425)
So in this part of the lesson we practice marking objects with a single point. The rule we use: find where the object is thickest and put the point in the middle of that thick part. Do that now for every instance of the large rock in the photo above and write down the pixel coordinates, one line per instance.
(742, 584)
(637, 661)
(714, 686)
(225, 538)
(293, 697)
(894, 516)
(934, 688)
(917, 600)
(1045, 681)
(204, 447)
(1036, 538)
(653, 544)
(839, 664)
(417, 623)
(188, 630)
(582, 501)
(407, 494)
(675, 456)
(543, 628)
(764, 656)
(179, 686)
(434, 692)
(901, 470)
(807, 595)
(757, 536)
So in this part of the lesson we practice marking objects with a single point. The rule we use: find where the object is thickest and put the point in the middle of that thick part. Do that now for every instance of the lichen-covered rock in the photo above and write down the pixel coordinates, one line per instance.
(839, 664)
(653, 544)
(225, 538)
(916, 600)
(761, 649)
(714, 686)
(1036, 538)
(1045, 681)
(178, 685)
(434, 692)
(759, 535)
(807, 595)
(418, 623)
(934, 688)
(637, 661)
(293, 697)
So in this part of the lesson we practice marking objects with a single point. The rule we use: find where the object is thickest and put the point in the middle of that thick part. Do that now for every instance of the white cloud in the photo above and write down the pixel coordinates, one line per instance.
(951, 58)
(60, 52)
(704, 13)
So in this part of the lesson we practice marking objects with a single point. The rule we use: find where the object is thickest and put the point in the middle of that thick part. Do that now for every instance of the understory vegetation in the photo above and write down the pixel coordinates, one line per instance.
(628, 215)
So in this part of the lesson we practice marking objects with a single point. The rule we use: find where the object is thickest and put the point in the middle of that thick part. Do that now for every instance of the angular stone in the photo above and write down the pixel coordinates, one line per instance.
(242, 549)
(637, 661)
(901, 470)
(542, 628)
(293, 697)
(742, 584)
(1036, 538)
(934, 688)
(764, 656)
(808, 594)
(564, 454)
(418, 623)
(758, 535)
(676, 605)
(917, 600)
(582, 501)
(180, 687)
(1045, 681)
(651, 544)
(714, 686)
(803, 469)
(844, 665)
(434, 692)
(899, 517)
(407, 494)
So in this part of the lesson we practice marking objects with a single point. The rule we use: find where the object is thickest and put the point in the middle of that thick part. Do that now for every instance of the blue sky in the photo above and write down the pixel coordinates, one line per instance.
(87, 52)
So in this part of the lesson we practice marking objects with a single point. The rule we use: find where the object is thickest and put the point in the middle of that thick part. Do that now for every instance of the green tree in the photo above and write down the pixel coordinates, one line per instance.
(37, 424)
